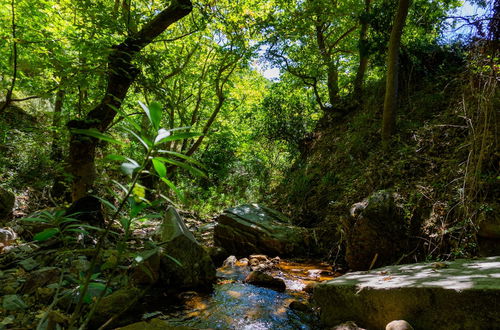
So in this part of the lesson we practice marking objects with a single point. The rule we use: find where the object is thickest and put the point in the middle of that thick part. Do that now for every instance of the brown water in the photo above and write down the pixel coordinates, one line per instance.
(237, 305)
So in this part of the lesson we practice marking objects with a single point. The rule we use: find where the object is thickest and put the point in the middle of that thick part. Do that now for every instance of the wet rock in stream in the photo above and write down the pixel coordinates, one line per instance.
(267, 281)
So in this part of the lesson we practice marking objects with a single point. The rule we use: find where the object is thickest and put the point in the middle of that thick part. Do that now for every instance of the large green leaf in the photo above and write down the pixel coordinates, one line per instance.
(46, 234)
(92, 132)
(188, 167)
(94, 290)
(113, 157)
(143, 139)
(174, 188)
(153, 112)
(160, 168)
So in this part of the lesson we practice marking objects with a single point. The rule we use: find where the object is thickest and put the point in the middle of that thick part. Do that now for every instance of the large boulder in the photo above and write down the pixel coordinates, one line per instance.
(184, 264)
(7, 200)
(253, 228)
(377, 233)
(463, 294)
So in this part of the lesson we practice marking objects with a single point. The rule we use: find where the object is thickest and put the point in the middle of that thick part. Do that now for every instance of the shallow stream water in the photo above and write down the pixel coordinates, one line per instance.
(237, 305)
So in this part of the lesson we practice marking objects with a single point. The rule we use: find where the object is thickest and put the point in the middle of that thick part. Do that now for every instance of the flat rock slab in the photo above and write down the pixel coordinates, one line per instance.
(462, 294)
(253, 228)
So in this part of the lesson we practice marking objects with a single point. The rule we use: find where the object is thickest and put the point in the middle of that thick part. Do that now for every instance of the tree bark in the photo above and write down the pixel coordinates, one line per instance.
(56, 150)
(363, 55)
(10, 91)
(121, 74)
(332, 82)
(391, 87)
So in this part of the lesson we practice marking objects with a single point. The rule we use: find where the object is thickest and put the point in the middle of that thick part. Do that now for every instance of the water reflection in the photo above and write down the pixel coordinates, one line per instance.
(236, 305)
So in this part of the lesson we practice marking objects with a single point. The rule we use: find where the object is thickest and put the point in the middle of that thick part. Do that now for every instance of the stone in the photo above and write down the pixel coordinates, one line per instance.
(7, 200)
(309, 288)
(300, 307)
(185, 264)
(7, 236)
(148, 270)
(217, 254)
(39, 278)
(13, 302)
(230, 262)
(398, 325)
(349, 325)
(253, 228)
(115, 303)
(489, 222)
(463, 295)
(259, 257)
(259, 278)
(377, 232)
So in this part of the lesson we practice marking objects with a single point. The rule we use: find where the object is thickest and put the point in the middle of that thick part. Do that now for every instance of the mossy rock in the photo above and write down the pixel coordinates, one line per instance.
(117, 302)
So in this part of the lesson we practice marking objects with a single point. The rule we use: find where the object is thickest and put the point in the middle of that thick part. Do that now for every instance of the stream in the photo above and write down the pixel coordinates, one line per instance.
(234, 304)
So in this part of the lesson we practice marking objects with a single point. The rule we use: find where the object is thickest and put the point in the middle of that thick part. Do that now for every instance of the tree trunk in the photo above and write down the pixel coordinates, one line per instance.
(56, 150)
(333, 83)
(363, 55)
(121, 74)
(332, 71)
(10, 91)
(391, 87)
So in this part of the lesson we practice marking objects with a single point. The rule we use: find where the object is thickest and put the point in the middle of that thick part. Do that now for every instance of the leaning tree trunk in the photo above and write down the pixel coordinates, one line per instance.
(391, 86)
(121, 74)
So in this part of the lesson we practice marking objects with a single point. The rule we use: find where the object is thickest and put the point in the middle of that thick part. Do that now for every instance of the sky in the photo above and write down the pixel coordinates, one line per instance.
(467, 9)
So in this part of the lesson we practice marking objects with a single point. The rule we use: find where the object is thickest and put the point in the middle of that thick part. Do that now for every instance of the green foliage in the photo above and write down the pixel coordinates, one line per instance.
(60, 226)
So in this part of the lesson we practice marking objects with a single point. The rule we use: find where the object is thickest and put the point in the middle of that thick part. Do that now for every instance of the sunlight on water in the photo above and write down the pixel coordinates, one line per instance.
(236, 305)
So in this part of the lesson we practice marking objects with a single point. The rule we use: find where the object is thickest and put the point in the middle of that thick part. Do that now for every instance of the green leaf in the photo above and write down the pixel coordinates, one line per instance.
(160, 168)
(46, 234)
(174, 188)
(155, 112)
(106, 202)
(178, 154)
(188, 167)
(174, 260)
(94, 290)
(122, 187)
(142, 139)
(92, 132)
(36, 219)
(179, 136)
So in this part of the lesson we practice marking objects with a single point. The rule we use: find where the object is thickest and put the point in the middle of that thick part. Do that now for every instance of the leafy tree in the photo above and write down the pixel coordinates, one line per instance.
(121, 73)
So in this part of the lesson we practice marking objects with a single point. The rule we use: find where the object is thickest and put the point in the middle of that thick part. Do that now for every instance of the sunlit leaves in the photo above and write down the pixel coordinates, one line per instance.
(159, 167)
(153, 111)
